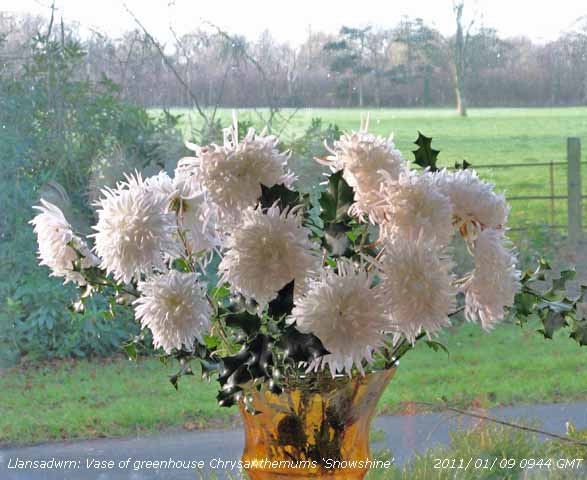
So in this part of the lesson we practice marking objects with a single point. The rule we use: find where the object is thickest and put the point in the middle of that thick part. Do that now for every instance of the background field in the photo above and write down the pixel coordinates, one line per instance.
(487, 136)
(87, 398)
(79, 399)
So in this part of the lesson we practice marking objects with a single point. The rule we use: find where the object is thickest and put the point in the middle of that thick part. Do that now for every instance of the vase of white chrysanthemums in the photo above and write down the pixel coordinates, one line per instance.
(309, 287)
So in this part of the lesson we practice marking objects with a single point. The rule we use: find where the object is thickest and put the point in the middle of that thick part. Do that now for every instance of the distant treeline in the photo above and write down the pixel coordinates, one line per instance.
(407, 65)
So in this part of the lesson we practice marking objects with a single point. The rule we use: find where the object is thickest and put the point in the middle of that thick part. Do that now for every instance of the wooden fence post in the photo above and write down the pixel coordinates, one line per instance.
(574, 188)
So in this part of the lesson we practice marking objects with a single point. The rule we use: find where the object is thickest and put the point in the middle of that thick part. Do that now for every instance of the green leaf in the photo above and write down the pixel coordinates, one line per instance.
(253, 362)
(283, 304)
(244, 320)
(131, 350)
(565, 276)
(281, 195)
(220, 292)
(425, 155)
(462, 165)
(552, 322)
(174, 379)
(301, 347)
(336, 200)
(579, 333)
(437, 346)
(524, 303)
(182, 265)
(557, 307)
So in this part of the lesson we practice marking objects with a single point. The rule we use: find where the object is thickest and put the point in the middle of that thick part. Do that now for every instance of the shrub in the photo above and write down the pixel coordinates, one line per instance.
(60, 133)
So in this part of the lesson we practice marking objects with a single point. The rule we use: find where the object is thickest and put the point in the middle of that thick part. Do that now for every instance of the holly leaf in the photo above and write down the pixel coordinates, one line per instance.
(524, 303)
(425, 155)
(283, 304)
(131, 350)
(437, 346)
(462, 165)
(253, 362)
(552, 322)
(579, 333)
(301, 347)
(565, 276)
(281, 195)
(336, 199)
(247, 322)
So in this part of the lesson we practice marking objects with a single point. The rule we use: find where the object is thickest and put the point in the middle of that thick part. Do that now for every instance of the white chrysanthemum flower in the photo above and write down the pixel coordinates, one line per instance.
(190, 205)
(265, 251)
(232, 174)
(495, 279)
(133, 230)
(175, 308)
(417, 284)
(413, 205)
(362, 157)
(474, 201)
(58, 244)
(347, 313)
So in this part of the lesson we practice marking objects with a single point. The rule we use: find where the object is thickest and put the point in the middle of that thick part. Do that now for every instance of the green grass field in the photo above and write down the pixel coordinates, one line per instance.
(117, 398)
(486, 137)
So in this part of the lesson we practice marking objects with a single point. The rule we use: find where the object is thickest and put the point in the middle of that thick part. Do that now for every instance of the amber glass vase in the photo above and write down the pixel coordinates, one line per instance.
(317, 428)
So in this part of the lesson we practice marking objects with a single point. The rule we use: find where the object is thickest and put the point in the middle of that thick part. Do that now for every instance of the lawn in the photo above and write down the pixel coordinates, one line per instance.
(84, 399)
(486, 137)
(81, 399)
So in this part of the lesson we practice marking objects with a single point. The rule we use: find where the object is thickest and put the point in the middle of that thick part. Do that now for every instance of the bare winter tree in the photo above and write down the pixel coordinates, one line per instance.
(402, 65)
(460, 56)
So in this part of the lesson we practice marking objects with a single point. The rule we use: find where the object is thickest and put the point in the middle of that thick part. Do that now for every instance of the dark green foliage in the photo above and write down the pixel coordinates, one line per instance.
(281, 195)
(266, 346)
(283, 304)
(464, 165)
(335, 202)
(551, 303)
(36, 323)
(425, 155)
(244, 320)
(57, 131)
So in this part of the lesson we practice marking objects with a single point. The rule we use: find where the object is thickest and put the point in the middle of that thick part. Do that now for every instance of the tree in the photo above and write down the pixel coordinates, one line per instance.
(423, 54)
(349, 58)
(460, 57)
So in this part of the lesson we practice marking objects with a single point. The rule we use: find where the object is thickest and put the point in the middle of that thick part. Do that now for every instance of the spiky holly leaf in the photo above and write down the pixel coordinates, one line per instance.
(559, 284)
(425, 155)
(437, 346)
(336, 199)
(185, 370)
(301, 347)
(524, 303)
(552, 322)
(579, 333)
(253, 362)
(280, 194)
(283, 304)
(462, 165)
(244, 320)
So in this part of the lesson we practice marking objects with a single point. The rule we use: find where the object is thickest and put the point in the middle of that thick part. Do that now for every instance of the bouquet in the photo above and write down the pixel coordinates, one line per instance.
(227, 265)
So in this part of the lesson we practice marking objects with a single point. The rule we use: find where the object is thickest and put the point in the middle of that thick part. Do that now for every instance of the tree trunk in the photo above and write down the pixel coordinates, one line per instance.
(360, 92)
(460, 96)
(460, 61)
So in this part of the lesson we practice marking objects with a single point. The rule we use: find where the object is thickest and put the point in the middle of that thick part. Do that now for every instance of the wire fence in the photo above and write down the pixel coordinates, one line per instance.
(544, 194)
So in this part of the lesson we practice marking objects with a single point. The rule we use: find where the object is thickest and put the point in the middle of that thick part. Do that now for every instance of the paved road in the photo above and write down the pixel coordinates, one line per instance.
(405, 435)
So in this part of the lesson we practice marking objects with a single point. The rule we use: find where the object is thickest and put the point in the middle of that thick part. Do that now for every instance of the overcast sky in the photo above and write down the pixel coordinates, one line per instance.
(290, 20)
